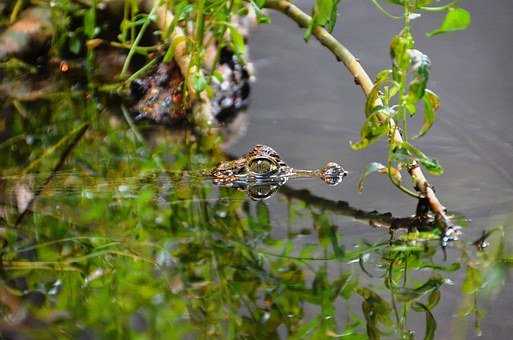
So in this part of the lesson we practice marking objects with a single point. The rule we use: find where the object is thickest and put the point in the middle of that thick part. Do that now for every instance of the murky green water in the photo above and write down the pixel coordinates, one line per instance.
(102, 238)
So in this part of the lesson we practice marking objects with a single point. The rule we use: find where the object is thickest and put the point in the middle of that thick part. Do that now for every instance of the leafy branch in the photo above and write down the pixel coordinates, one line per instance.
(384, 116)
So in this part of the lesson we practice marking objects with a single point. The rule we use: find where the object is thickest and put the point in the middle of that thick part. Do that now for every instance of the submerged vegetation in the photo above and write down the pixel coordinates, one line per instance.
(103, 236)
(117, 247)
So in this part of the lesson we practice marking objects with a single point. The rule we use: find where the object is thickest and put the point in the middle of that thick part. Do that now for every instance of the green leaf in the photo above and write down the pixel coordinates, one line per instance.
(371, 131)
(409, 294)
(370, 103)
(199, 82)
(399, 48)
(349, 288)
(420, 65)
(369, 169)
(434, 299)
(457, 19)
(320, 283)
(182, 10)
(238, 44)
(406, 151)
(308, 250)
(259, 3)
(74, 44)
(449, 268)
(376, 311)
(430, 321)
(260, 14)
(324, 13)
(333, 16)
(90, 23)
(218, 76)
(431, 105)
(306, 330)
(473, 280)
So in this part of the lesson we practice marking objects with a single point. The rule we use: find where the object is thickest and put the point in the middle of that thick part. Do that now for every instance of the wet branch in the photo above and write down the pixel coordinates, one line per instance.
(373, 218)
(366, 84)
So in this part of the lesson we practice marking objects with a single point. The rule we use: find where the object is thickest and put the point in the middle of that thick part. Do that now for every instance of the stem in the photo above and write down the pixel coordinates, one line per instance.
(140, 49)
(142, 71)
(384, 11)
(14, 14)
(145, 25)
(363, 80)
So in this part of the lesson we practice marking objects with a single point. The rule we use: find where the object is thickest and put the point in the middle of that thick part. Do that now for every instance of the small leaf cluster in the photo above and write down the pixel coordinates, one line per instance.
(401, 92)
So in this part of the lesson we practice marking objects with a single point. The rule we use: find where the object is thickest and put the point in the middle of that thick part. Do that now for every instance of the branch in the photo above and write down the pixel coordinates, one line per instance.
(372, 218)
(366, 84)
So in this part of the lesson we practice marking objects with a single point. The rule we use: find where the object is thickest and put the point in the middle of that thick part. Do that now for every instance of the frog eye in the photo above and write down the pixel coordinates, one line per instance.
(262, 166)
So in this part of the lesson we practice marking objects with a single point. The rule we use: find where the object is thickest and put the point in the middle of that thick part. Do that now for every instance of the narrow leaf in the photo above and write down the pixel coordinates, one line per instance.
(369, 169)
(371, 131)
(420, 65)
(430, 322)
(431, 105)
(406, 149)
(373, 96)
(237, 41)
(473, 281)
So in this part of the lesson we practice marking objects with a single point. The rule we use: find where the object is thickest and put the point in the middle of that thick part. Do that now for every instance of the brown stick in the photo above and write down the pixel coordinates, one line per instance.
(366, 84)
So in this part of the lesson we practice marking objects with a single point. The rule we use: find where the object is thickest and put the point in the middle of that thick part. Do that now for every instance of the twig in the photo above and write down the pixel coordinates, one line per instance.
(80, 132)
(364, 81)
(133, 48)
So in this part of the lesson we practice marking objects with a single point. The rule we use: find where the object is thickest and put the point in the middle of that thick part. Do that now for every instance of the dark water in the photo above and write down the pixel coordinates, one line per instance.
(117, 246)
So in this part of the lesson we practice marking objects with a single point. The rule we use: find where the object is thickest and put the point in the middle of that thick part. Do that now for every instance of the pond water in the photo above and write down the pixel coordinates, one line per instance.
(103, 238)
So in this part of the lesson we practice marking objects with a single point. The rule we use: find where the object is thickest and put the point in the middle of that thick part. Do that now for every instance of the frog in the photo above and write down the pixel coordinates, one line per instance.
(261, 171)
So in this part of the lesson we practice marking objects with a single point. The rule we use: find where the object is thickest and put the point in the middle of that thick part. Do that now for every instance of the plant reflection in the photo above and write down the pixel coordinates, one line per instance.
(144, 255)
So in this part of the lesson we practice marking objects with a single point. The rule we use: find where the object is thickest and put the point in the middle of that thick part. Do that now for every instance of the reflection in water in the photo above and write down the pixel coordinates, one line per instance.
(103, 236)
(172, 258)
(261, 171)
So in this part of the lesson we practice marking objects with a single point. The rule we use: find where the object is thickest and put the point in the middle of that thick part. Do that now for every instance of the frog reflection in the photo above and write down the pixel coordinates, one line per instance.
(261, 171)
